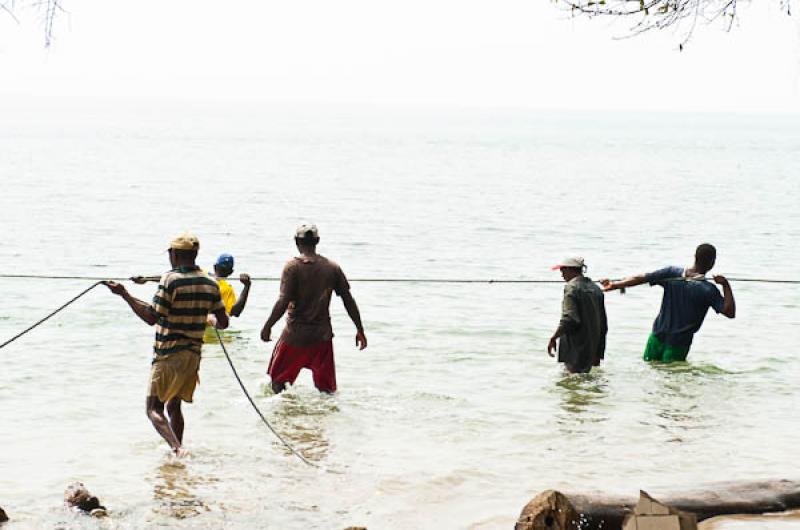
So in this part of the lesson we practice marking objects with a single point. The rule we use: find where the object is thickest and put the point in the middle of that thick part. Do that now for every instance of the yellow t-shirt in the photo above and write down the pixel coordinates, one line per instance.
(228, 296)
(227, 293)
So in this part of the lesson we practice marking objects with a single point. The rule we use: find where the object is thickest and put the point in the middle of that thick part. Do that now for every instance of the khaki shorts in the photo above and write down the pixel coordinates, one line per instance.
(175, 376)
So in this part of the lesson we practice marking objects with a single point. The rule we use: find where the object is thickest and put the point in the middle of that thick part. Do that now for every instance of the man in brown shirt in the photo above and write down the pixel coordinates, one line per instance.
(307, 283)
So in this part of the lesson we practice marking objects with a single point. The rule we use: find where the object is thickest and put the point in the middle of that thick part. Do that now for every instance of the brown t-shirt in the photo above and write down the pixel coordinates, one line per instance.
(307, 282)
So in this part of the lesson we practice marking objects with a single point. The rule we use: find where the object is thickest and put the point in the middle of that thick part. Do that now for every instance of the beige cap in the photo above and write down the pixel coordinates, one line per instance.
(574, 262)
(185, 241)
(301, 232)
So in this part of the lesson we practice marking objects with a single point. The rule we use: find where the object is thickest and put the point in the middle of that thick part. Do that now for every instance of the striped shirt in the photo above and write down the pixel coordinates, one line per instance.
(185, 297)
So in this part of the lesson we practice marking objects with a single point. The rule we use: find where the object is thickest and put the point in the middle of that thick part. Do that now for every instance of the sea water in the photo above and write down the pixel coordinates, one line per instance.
(454, 416)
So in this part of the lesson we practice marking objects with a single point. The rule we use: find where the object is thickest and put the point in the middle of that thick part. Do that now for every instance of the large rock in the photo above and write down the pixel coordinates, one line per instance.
(550, 510)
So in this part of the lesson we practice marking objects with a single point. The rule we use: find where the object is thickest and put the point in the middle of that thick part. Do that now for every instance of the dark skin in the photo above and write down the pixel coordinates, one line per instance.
(170, 425)
(237, 308)
(309, 249)
(702, 265)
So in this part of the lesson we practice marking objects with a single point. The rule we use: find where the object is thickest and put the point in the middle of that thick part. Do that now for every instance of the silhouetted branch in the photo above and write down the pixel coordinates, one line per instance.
(49, 10)
(660, 14)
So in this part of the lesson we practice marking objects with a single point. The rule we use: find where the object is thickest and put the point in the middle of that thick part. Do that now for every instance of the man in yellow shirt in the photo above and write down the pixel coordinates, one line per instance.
(222, 269)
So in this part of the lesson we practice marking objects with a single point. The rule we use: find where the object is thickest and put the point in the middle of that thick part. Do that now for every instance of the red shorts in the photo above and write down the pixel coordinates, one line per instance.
(287, 361)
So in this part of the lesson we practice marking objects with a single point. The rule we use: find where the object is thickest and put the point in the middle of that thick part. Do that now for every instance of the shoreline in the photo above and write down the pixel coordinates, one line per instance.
(788, 520)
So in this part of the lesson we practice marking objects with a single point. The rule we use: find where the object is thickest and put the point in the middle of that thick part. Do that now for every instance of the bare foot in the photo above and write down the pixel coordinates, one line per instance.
(180, 452)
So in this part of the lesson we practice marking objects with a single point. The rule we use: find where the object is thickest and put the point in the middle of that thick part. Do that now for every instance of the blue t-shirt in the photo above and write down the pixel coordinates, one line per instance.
(683, 307)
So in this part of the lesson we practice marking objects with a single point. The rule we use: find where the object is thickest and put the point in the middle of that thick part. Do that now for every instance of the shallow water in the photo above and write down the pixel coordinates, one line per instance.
(454, 416)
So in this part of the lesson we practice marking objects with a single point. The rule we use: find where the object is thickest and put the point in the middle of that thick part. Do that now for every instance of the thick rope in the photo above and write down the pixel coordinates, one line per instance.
(381, 280)
(255, 407)
(42, 321)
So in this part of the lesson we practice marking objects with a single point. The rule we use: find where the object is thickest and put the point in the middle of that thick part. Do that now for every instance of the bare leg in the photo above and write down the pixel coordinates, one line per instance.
(175, 417)
(278, 387)
(155, 411)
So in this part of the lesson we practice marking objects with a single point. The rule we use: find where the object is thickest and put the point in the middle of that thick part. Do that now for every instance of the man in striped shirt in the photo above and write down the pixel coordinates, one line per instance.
(185, 297)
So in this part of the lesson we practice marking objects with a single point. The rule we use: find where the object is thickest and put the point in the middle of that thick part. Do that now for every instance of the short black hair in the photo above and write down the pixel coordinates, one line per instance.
(705, 254)
(224, 270)
(185, 254)
(307, 239)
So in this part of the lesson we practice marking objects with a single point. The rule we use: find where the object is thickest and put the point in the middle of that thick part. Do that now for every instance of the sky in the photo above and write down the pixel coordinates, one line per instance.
(439, 53)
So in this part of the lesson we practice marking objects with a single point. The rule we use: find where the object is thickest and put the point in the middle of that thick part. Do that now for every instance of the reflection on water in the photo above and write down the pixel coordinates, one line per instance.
(581, 396)
(675, 397)
(445, 388)
(699, 369)
(174, 491)
(298, 416)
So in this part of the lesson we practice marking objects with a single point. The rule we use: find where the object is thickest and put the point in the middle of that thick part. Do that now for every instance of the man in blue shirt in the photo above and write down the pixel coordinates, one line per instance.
(687, 297)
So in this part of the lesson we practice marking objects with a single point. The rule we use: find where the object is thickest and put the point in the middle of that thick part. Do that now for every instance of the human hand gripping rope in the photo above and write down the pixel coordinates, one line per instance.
(139, 279)
(98, 281)
(117, 288)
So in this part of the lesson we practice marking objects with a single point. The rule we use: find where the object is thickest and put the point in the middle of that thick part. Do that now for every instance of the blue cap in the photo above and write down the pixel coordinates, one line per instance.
(225, 261)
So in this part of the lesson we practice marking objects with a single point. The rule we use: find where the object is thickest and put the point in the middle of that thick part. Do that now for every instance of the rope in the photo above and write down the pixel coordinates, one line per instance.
(255, 407)
(46, 277)
(42, 321)
(227, 356)
(381, 280)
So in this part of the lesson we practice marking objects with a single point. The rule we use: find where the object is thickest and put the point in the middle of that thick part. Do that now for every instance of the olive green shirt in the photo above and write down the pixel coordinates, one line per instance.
(583, 324)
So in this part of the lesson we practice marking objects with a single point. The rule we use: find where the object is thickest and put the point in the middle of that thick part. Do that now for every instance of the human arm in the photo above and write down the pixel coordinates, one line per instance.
(342, 289)
(221, 319)
(657, 277)
(631, 281)
(142, 309)
(728, 302)
(288, 293)
(141, 280)
(570, 319)
(238, 307)
(355, 315)
(277, 312)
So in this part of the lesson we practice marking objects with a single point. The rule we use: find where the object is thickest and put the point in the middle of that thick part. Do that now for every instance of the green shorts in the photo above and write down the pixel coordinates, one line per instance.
(656, 350)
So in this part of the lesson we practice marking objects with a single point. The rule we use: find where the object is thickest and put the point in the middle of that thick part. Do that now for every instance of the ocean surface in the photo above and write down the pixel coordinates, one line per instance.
(454, 416)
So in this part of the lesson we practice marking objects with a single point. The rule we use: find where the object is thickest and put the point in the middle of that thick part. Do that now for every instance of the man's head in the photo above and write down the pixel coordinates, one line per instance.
(223, 267)
(183, 250)
(306, 236)
(704, 258)
(570, 267)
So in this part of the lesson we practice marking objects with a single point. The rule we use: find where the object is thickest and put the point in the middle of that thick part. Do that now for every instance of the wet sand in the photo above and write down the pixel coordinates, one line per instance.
(777, 521)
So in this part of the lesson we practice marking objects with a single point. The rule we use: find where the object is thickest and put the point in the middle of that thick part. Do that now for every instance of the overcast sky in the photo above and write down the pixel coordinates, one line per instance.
(503, 53)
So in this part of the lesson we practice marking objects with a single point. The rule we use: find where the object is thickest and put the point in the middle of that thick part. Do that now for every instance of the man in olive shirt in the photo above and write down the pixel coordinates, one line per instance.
(583, 326)
(307, 283)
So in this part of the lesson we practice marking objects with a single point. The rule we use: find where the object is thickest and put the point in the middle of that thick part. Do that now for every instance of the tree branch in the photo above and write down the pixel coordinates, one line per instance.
(661, 14)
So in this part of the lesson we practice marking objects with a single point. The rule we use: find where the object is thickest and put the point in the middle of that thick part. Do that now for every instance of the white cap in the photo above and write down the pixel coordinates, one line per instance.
(574, 262)
(306, 230)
